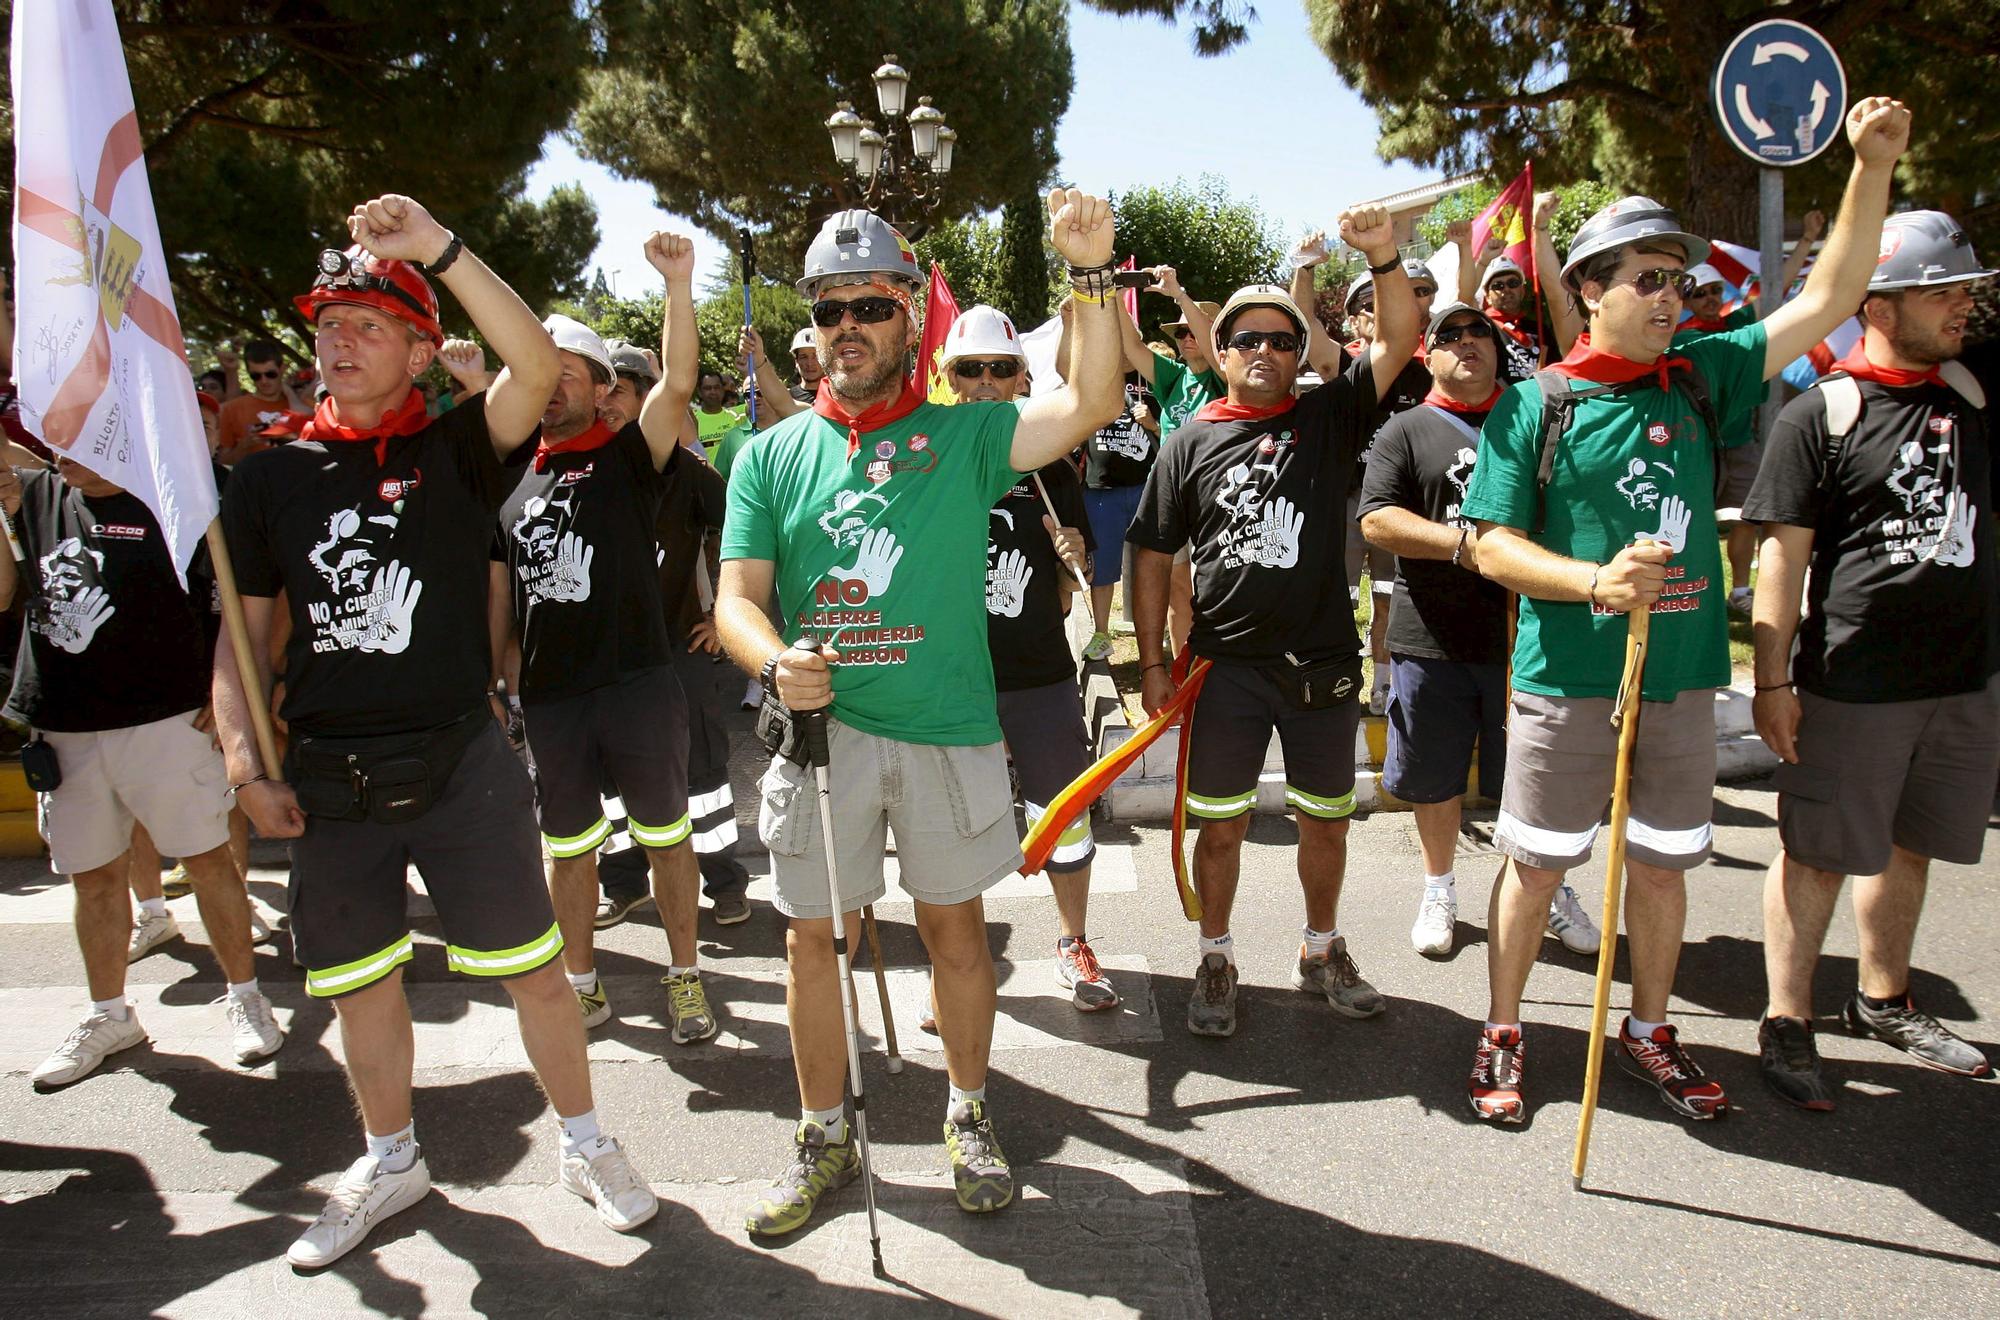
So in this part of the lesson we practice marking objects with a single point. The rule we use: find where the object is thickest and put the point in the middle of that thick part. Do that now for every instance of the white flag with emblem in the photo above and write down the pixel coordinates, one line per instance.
(99, 362)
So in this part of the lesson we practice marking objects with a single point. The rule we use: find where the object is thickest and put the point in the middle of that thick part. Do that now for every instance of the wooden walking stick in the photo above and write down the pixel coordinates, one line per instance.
(895, 1063)
(1626, 716)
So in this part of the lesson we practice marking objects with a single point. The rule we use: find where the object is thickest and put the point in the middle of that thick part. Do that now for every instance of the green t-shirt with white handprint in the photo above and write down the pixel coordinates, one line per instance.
(1181, 392)
(1631, 466)
(882, 555)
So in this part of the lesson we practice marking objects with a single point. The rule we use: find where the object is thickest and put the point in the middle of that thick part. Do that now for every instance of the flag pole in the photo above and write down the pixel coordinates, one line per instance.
(254, 695)
(1056, 518)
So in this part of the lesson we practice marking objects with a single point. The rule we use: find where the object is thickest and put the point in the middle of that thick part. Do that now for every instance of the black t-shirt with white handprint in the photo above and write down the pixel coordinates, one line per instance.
(1121, 452)
(383, 563)
(1024, 577)
(1903, 602)
(112, 640)
(582, 564)
(1421, 461)
(1264, 502)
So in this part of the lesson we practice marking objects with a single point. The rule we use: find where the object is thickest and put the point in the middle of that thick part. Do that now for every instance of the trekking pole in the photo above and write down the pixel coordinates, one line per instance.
(895, 1060)
(814, 722)
(1056, 518)
(748, 253)
(1626, 716)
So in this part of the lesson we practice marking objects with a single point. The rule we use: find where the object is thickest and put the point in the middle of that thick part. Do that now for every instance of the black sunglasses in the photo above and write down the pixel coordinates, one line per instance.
(1649, 282)
(272, 374)
(866, 311)
(1249, 341)
(1451, 334)
(1182, 332)
(1004, 369)
(1507, 284)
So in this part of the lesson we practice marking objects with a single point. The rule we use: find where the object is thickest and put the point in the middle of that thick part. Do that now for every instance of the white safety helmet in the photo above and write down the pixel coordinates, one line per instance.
(981, 331)
(1705, 275)
(573, 336)
(804, 340)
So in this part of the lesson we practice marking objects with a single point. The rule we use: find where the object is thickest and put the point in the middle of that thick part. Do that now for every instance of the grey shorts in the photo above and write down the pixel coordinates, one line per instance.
(1045, 736)
(1916, 774)
(1562, 753)
(950, 808)
(1739, 470)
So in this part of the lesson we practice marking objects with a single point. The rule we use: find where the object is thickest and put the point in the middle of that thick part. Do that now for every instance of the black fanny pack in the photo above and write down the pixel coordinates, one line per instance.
(1318, 684)
(778, 733)
(390, 779)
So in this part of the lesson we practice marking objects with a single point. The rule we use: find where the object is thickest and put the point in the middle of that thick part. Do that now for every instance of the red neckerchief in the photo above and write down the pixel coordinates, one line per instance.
(1510, 325)
(1437, 398)
(1587, 363)
(1222, 410)
(872, 418)
(1858, 365)
(1705, 324)
(595, 436)
(406, 418)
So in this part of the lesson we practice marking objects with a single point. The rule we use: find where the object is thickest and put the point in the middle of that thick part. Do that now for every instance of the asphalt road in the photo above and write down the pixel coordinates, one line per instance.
(1308, 1166)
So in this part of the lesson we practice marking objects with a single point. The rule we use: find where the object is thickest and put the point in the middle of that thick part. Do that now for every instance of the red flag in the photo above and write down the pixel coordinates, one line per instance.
(1130, 296)
(940, 310)
(1511, 215)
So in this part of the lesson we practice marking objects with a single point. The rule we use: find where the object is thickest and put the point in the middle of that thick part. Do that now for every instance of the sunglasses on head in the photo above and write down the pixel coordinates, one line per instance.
(865, 311)
(1650, 282)
(1507, 284)
(1451, 334)
(1004, 369)
(1249, 341)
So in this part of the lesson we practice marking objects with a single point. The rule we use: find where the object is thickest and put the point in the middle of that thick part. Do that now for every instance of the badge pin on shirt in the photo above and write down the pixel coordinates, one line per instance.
(1658, 433)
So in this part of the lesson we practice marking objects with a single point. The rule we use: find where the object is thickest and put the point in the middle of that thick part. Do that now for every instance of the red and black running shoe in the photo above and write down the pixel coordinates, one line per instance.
(1495, 1087)
(1664, 1065)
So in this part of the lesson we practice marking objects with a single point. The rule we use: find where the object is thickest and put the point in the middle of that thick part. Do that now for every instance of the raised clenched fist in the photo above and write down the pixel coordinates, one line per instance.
(672, 255)
(1879, 128)
(1080, 226)
(398, 228)
(1368, 230)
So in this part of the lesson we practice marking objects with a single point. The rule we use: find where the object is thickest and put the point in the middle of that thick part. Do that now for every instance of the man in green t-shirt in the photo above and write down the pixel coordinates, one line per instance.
(869, 516)
(1627, 522)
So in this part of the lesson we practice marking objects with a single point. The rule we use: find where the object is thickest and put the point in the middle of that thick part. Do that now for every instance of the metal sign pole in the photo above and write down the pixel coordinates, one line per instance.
(1771, 254)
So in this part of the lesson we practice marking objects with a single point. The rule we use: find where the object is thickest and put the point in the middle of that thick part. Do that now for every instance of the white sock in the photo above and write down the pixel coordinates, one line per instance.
(1641, 1030)
(583, 980)
(959, 1093)
(1318, 941)
(153, 906)
(834, 1120)
(1221, 944)
(395, 1152)
(579, 1131)
(243, 989)
(1441, 886)
(118, 1010)
(679, 971)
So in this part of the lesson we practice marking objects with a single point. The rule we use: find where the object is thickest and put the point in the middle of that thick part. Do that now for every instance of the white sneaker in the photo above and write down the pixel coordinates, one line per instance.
(364, 1197)
(260, 930)
(1739, 600)
(254, 1031)
(1569, 923)
(149, 933)
(608, 1181)
(1437, 924)
(753, 695)
(83, 1049)
(1378, 695)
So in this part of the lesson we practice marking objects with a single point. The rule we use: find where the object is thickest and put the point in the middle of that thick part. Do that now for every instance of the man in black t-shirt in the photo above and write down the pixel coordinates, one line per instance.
(1258, 484)
(1032, 562)
(376, 526)
(1116, 459)
(1887, 722)
(113, 677)
(599, 694)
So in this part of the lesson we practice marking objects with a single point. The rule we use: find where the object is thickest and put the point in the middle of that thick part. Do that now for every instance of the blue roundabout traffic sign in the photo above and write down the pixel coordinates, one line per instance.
(1780, 92)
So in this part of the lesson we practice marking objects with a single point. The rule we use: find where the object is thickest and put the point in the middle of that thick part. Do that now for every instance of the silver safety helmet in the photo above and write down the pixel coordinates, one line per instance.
(1412, 267)
(858, 247)
(1924, 249)
(1628, 220)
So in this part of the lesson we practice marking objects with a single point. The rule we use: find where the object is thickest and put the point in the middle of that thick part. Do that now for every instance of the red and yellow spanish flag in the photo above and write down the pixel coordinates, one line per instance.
(1511, 216)
(940, 310)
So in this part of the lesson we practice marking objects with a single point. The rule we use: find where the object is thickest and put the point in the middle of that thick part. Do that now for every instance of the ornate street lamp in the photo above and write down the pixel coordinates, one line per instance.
(901, 171)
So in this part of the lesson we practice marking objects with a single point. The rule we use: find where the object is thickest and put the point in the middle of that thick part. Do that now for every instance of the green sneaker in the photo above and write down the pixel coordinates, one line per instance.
(596, 1005)
(819, 1167)
(1098, 647)
(979, 1172)
(689, 1004)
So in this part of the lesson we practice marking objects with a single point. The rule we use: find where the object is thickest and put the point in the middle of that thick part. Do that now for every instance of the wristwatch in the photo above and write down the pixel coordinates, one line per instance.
(768, 676)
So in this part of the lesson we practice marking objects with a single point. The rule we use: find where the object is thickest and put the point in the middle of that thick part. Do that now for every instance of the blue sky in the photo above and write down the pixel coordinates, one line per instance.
(1146, 110)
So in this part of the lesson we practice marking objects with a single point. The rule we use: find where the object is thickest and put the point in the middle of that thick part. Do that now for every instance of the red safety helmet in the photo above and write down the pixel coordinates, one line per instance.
(395, 287)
